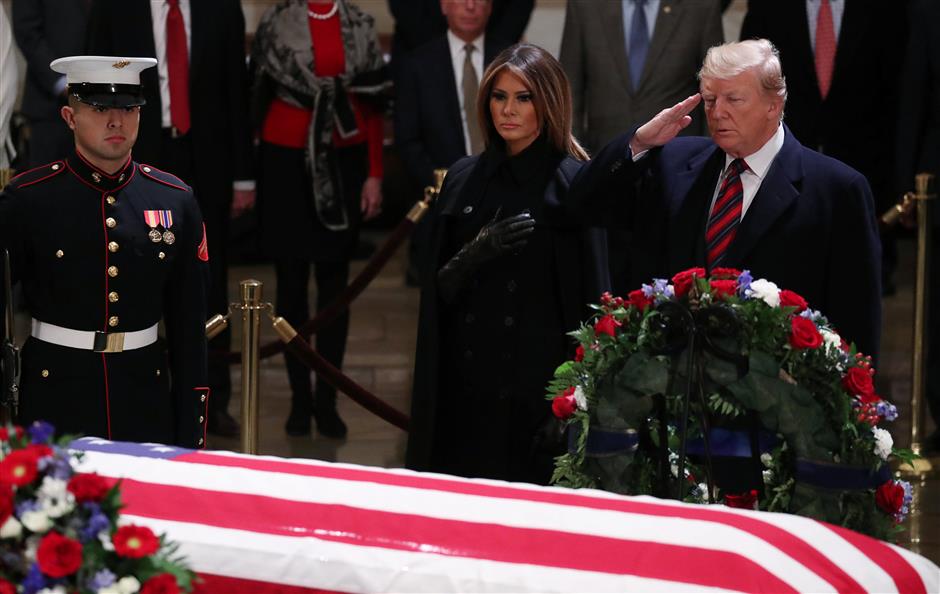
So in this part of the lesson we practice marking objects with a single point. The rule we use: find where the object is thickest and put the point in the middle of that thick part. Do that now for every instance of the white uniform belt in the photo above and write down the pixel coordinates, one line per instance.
(99, 342)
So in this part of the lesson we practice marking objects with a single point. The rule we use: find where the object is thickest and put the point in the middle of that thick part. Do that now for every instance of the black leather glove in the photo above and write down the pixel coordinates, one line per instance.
(494, 239)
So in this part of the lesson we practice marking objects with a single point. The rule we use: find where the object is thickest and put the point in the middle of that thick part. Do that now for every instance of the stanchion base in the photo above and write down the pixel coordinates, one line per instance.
(922, 467)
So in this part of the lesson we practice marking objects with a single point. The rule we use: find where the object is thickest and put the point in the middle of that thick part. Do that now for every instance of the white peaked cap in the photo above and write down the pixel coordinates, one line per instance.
(112, 70)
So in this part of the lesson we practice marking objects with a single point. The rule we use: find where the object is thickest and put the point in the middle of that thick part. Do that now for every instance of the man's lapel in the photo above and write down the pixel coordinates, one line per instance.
(670, 14)
(777, 193)
(200, 22)
(611, 13)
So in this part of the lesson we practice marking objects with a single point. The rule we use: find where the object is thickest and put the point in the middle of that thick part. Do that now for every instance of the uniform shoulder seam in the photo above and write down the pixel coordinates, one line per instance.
(38, 174)
(156, 175)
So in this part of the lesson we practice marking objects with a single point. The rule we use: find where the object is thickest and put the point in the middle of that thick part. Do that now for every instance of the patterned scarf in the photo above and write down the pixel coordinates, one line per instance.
(283, 52)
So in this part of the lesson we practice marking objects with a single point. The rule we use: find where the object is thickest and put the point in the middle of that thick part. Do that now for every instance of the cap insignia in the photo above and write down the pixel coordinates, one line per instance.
(120, 64)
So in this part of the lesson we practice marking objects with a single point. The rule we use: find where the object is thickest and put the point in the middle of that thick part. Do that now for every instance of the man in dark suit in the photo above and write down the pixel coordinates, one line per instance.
(749, 197)
(827, 47)
(435, 118)
(419, 21)
(46, 30)
(918, 150)
(625, 60)
(196, 122)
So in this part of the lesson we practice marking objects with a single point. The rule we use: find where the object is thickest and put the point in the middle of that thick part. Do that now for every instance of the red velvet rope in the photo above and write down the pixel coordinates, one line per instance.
(369, 401)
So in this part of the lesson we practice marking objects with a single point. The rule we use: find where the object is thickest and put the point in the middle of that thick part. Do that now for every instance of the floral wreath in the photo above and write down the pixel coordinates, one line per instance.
(59, 529)
(757, 374)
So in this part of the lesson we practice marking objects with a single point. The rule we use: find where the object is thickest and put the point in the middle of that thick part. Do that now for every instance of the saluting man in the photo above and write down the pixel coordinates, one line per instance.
(105, 249)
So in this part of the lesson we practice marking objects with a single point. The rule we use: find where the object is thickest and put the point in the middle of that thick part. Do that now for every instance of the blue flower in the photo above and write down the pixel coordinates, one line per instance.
(886, 410)
(26, 505)
(744, 282)
(58, 465)
(101, 579)
(41, 432)
(34, 580)
(96, 523)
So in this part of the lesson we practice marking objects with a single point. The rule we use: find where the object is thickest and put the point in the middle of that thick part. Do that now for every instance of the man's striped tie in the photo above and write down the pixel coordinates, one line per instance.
(726, 214)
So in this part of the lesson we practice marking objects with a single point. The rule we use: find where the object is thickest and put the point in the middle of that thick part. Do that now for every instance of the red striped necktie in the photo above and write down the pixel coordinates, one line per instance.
(177, 65)
(825, 48)
(726, 214)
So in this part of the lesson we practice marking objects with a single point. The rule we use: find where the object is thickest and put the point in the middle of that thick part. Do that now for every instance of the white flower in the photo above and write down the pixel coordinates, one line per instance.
(580, 398)
(32, 545)
(36, 521)
(53, 590)
(766, 459)
(105, 539)
(883, 443)
(764, 290)
(831, 339)
(128, 585)
(11, 528)
(54, 497)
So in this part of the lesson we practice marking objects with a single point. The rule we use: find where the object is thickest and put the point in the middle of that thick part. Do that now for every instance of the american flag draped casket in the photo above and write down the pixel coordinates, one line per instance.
(270, 525)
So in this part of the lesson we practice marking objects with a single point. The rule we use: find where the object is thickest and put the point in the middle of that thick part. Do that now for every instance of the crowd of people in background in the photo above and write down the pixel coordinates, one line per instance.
(835, 111)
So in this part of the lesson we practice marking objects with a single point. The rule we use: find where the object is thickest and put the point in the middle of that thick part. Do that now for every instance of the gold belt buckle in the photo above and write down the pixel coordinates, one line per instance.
(109, 342)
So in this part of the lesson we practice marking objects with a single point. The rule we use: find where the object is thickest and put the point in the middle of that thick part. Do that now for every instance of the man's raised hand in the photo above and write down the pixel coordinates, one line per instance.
(665, 125)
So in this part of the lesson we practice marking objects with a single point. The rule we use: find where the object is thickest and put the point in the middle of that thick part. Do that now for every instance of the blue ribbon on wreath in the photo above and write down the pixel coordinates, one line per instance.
(830, 475)
(603, 442)
(729, 443)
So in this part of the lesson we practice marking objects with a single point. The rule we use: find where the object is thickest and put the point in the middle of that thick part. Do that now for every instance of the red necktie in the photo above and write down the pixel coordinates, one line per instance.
(726, 214)
(825, 48)
(177, 65)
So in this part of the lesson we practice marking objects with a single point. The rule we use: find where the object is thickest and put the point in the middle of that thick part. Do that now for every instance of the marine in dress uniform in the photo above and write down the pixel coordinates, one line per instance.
(104, 254)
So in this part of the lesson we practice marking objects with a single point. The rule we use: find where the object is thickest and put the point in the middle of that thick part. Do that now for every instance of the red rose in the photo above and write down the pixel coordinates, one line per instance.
(606, 325)
(564, 406)
(39, 450)
(724, 288)
(165, 583)
(5, 433)
(890, 498)
(790, 299)
(743, 500)
(6, 587)
(6, 504)
(18, 468)
(58, 556)
(638, 300)
(857, 382)
(134, 541)
(803, 334)
(726, 273)
(88, 487)
(682, 281)
(579, 353)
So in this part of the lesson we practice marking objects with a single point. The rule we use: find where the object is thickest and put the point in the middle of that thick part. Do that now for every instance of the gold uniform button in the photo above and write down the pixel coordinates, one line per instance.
(110, 199)
(161, 255)
(112, 271)
(113, 246)
(201, 440)
(55, 167)
(113, 296)
(158, 373)
(113, 321)
(146, 169)
(110, 222)
(201, 418)
(59, 253)
(45, 373)
(202, 398)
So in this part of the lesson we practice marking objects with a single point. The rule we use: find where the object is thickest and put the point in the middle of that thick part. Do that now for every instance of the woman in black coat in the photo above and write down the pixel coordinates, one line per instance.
(510, 273)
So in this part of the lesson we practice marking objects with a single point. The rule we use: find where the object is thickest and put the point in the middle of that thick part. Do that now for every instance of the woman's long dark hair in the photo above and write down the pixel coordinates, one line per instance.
(544, 77)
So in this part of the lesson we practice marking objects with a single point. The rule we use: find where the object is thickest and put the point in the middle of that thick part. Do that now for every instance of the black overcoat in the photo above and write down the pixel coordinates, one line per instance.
(578, 257)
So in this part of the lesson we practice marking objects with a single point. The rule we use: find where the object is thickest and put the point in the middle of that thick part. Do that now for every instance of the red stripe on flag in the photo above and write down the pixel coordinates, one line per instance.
(903, 573)
(454, 538)
(787, 542)
(217, 584)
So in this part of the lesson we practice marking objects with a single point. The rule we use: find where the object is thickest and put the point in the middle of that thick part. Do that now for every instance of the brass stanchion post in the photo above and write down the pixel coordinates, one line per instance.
(924, 199)
(251, 306)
